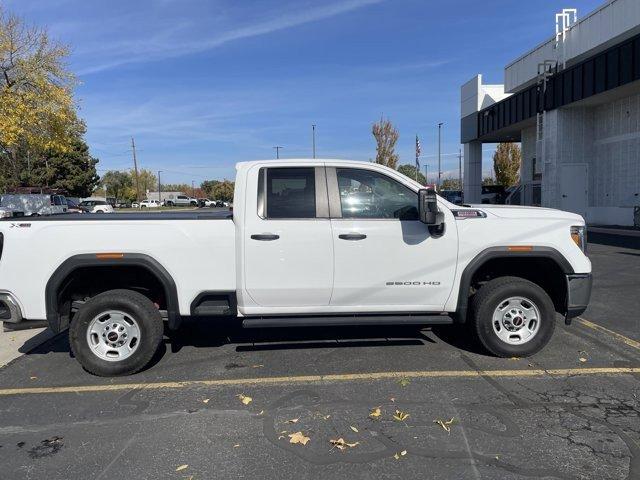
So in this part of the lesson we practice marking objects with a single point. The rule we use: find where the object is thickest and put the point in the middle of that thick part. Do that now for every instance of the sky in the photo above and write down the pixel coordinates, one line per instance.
(201, 85)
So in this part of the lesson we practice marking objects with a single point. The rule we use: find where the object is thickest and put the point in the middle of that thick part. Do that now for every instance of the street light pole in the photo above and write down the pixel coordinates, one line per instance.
(159, 187)
(313, 136)
(277, 148)
(439, 153)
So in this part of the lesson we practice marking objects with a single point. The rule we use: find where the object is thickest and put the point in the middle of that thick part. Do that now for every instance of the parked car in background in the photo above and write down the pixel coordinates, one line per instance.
(135, 205)
(10, 213)
(74, 207)
(205, 202)
(149, 204)
(124, 205)
(181, 201)
(97, 206)
(35, 204)
(493, 194)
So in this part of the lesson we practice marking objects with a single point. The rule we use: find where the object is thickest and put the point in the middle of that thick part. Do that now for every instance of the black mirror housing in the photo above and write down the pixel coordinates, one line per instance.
(428, 207)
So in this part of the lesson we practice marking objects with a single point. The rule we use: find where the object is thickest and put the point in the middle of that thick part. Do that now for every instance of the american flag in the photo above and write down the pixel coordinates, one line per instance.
(418, 151)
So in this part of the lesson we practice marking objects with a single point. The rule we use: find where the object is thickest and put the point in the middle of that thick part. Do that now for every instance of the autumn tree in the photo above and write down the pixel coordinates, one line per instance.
(410, 171)
(37, 110)
(506, 164)
(207, 186)
(223, 191)
(146, 179)
(386, 137)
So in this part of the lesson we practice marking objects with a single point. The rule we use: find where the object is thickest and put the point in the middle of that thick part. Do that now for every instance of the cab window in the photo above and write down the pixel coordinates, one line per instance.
(287, 193)
(369, 194)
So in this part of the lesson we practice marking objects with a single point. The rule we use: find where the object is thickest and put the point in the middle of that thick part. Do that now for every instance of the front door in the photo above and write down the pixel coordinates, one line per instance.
(385, 258)
(288, 246)
(573, 188)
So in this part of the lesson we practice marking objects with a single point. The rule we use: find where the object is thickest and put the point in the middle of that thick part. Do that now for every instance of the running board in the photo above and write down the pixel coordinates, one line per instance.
(346, 320)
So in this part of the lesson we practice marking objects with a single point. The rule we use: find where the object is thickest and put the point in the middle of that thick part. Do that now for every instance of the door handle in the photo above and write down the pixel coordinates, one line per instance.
(352, 236)
(265, 237)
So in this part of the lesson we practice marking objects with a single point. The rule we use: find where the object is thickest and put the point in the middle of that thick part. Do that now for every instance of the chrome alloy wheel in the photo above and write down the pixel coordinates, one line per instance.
(516, 320)
(113, 335)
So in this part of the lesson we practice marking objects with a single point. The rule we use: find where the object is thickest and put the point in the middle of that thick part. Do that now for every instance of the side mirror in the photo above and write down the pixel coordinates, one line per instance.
(428, 206)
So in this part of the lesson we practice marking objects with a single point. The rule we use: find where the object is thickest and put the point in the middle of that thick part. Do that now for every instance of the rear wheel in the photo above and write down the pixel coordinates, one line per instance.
(116, 333)
(512, 316)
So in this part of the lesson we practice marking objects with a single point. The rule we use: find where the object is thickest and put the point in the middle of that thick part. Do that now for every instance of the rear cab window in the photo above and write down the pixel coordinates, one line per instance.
(287, 193)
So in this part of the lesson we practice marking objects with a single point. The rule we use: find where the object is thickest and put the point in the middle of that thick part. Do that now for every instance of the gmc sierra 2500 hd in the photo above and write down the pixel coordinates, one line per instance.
(310, 242)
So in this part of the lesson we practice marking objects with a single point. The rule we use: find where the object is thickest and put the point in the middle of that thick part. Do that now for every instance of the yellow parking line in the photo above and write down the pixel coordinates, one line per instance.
(626, 340)
(559, 372)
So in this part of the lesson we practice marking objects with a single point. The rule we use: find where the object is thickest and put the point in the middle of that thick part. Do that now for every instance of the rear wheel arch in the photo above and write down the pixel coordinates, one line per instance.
(499, 261)
(57, 306)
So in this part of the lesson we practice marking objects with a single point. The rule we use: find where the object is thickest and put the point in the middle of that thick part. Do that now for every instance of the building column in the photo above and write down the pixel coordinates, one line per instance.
(472, 172)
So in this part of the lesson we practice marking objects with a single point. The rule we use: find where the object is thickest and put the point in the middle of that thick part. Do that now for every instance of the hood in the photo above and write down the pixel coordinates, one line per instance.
(519, 211)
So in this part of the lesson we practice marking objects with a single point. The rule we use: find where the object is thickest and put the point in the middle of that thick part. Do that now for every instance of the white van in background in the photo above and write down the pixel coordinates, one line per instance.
(35, 204)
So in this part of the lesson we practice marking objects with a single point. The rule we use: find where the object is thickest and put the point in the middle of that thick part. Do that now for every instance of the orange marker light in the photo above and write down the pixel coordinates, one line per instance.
(109, 256)
(520, 248)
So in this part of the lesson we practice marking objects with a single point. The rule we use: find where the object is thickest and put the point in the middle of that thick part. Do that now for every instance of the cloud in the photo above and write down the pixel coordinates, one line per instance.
(171, 38)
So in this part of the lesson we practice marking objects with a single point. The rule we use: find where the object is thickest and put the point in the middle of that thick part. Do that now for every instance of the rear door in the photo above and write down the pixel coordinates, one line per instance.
(385, 258)
(288, 249)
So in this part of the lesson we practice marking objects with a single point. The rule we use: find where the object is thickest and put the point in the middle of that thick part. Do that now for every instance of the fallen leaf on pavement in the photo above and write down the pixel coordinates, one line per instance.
(445, 424)
(375, 412)
(341, 445)
(257, 366)
(327, 417)
(236, 445)
(298, 437)
(404, 382)
(182, 467)
(261, 412)
(206, 400)
(392, 399)
(33, 378)
(293, 420)
(400, 454)
(353, 428)
(400, 416)
(245, 399)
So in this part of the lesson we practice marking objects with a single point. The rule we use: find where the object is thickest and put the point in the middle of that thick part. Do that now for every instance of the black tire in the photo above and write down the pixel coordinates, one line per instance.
(132, 303)
(491, 295)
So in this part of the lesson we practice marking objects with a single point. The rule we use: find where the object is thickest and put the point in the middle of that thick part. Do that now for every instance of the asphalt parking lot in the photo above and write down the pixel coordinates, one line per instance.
(570, 412)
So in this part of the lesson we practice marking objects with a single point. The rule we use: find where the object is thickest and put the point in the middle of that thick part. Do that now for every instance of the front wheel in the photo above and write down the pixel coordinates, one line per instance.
(116, 333)
(512, 317)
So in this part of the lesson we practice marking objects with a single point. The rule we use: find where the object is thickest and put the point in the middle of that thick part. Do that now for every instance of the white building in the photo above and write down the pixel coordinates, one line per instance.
(574, 104)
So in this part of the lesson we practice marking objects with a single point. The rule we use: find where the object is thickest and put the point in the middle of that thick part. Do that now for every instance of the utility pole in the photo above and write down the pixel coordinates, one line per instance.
(439, 153)
(159, 187)
(313, 136)
(277, 148)
(460, 169)
(193, 189)
(135, 167)
(426, 177)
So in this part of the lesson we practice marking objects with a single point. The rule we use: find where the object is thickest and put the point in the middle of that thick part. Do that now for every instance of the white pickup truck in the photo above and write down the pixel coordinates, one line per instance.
(310, 242)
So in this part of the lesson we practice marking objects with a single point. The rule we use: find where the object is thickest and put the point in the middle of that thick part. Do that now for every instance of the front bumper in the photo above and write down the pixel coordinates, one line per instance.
(578, 293)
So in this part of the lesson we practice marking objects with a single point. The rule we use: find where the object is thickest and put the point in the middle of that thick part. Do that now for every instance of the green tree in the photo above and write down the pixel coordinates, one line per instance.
(410, 171)
(386, 137)
(72, 170)
(37, 110)
(450, 184)
(117, 184)
(506, 164)
(486, 181)
(223, 191)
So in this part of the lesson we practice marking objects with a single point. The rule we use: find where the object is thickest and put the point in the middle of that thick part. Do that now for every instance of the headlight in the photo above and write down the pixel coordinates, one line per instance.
(579, 236)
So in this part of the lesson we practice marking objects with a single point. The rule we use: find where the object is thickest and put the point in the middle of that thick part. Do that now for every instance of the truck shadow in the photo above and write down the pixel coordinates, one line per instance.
(200, 335)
